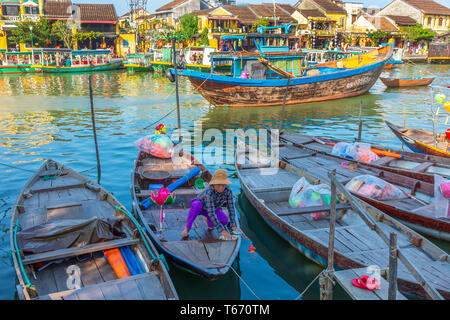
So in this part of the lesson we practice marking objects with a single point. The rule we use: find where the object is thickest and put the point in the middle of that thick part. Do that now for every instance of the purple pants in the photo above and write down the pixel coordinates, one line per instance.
(197, 209)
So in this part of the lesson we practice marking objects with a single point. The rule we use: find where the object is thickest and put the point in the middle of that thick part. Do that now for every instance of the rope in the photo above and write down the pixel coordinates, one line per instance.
(309, 285)
(18, 256)
(240, 278)
(7, 165)
(161, 118)
(140, 231)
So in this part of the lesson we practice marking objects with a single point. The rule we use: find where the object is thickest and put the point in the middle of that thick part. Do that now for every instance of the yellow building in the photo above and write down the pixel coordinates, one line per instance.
(126, 44)
(12, 11)
(330, 9)
(218, 21)
(429, 13)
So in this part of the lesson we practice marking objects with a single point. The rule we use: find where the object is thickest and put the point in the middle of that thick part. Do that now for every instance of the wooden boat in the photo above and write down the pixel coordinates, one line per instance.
(414, 165)
(202, 253)
(316, 56)
(416, 209)
(83, 61)
(267, 84)
(162, 59)
(407, 82)
(139, 62)
(107, 66)
(356, 245)
(66, 222)
(202, 61)
(422, 141)
(24, 61)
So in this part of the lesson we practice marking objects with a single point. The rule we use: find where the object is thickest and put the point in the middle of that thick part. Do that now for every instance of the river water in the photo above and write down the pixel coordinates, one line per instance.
(48, 116)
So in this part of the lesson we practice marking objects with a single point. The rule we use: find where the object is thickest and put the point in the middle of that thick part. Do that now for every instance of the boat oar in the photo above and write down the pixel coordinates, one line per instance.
(414, 198)
(278, 70)
(374, 150)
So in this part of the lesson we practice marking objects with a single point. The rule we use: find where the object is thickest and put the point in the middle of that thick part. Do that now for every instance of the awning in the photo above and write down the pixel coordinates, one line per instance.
(233, 37)
(30, 3)
(8, 26)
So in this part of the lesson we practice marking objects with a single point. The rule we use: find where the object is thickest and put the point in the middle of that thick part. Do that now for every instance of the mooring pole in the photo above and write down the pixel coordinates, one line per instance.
(176, 87)
(99, 173)
(284, 103)
(392, 291)
(325, 281)
(360, 120)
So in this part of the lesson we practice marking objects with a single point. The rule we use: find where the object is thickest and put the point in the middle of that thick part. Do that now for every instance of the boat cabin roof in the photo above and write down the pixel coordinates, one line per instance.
(90, 52)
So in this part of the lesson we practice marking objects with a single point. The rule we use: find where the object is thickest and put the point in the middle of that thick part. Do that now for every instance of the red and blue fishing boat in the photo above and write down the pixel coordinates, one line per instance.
(264, 70)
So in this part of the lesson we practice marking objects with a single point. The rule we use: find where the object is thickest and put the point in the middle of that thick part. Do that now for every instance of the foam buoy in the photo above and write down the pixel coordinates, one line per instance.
(170, 75)
(117, 263)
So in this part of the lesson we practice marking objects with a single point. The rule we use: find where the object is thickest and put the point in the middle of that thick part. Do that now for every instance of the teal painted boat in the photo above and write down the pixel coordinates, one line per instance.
(140, 62)
(25, 61)
(83, 61)
(83, 68)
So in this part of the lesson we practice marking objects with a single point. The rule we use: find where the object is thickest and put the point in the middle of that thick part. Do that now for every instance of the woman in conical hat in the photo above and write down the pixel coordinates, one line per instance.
(209, 204)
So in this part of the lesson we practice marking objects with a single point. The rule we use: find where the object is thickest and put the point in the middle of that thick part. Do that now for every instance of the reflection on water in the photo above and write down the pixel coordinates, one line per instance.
(48, 116)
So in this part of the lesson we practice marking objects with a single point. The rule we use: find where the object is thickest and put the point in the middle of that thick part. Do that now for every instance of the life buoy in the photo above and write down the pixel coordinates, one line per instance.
(170, 75)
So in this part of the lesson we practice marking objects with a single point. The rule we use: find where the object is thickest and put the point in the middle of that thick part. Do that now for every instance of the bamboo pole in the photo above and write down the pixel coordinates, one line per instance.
(360, 121)
(392, 291)
(174, 53)
(326, 284)
(99, 174)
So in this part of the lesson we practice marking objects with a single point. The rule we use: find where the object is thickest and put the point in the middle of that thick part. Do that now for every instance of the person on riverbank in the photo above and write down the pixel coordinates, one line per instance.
(209, 204)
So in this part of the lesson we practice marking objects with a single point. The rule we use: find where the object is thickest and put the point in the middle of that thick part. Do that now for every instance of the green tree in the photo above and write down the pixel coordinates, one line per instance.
(189, 26)
(203, 39)
(83, 36)
(261, 22)
(417, 33)
(377, 36)
(63, 33)
(42, 32)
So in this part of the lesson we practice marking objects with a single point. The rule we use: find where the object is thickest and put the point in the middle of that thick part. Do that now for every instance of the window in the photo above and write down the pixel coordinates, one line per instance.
(10, 10)
(31, 10)
(342, 22)
(441, 20)
(429, 21)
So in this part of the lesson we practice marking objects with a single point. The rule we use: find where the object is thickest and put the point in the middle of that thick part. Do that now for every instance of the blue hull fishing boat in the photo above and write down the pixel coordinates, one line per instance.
(265, 72)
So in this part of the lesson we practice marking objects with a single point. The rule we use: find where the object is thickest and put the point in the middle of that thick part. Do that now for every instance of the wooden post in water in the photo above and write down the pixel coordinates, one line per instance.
(433, 117)
(284, 102)
(326, 283)
(174, 53)
(99, 173)
(392, 291)
(360, 121)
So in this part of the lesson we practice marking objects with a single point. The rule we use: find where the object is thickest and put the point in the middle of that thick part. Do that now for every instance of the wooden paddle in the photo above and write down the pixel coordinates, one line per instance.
(271, 66)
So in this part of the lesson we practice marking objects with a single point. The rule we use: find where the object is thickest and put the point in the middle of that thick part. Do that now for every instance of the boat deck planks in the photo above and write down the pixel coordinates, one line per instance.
(202, 252)
(137, 287)
(70, 196)
(354, 240)
(345, 277)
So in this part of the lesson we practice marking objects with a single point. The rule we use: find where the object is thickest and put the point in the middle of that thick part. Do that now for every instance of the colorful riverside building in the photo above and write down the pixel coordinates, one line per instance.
(100, 18)
(428, 13)
(12, 11)
(229, 19)
(327, 21)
